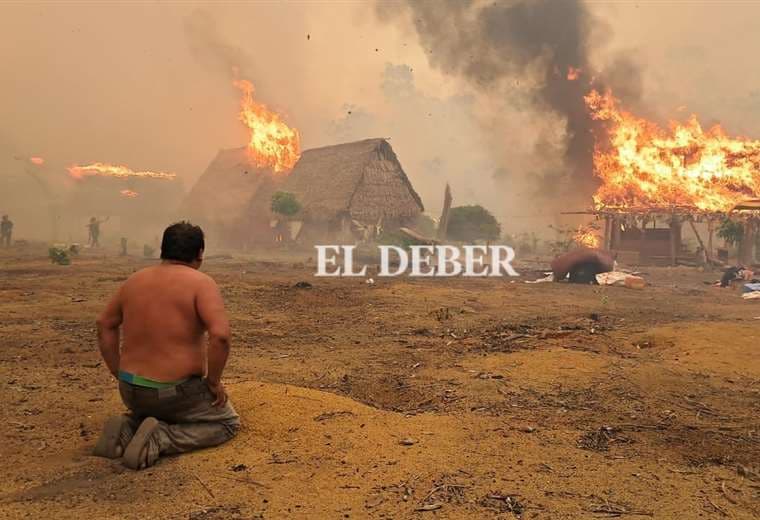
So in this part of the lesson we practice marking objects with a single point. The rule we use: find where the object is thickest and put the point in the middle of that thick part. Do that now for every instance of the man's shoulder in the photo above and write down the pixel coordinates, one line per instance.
(204, 278)
(186, 273)
(139, 275)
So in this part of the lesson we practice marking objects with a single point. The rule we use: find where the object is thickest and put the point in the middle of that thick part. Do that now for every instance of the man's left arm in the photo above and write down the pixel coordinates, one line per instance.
(108, 325)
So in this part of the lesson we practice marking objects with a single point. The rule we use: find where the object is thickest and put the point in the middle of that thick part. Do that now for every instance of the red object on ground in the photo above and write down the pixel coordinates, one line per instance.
(563, 264)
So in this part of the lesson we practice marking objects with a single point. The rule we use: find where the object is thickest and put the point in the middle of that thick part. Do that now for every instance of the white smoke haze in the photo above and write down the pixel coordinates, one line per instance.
(149, 86)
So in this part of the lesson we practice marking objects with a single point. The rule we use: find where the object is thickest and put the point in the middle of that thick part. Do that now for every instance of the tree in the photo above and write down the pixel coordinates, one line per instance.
(732, 232)
(285, 204)
(472, 223)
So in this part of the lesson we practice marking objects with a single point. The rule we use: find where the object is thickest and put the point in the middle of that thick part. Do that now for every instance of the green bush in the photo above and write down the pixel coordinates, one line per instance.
(59, 256)
(730, 231)
(284, 203)
(468, 223)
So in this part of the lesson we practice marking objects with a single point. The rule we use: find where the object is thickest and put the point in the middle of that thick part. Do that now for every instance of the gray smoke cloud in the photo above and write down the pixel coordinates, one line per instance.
(536, 53)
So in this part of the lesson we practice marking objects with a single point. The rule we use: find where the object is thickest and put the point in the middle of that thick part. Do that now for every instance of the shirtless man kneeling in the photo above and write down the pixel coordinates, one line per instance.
(164, 312)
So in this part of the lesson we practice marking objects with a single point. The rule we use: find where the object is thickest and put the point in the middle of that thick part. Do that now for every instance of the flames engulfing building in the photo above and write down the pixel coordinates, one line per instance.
(222, 200)
(343, 191)
(654, 180)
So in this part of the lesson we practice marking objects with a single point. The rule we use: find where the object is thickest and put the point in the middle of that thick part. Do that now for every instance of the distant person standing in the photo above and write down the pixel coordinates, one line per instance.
(6, 231)
(94, 229)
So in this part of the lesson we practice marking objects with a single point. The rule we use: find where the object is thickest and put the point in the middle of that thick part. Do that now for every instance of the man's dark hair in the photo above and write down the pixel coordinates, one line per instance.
(182, 242)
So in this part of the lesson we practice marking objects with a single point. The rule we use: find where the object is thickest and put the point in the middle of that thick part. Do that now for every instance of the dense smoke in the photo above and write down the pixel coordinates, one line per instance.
(534, 52)
(208, 46)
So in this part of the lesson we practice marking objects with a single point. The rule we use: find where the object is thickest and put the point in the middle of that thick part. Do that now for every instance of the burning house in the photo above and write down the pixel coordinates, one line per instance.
(654, 181)
(343, 191)
(227, 199)
(231, 199)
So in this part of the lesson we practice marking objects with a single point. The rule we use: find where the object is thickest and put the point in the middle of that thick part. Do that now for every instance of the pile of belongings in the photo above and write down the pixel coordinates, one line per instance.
(736, 274)
(582, 265)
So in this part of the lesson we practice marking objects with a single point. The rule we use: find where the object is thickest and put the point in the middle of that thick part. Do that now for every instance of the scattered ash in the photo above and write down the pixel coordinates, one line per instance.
(601, 439)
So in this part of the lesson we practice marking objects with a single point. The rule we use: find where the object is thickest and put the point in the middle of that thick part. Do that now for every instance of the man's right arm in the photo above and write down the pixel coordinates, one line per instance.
(210, 308)
(108, 333)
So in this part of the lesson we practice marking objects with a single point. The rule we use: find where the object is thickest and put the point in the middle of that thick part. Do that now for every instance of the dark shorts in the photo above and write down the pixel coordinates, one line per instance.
(189, 419)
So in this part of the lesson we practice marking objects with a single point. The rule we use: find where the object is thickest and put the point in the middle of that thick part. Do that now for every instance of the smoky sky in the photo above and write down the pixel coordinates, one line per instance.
(207, 44)
(533, 45)
(469, 93)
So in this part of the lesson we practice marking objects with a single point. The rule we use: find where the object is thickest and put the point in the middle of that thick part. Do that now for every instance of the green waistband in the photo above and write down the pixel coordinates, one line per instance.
(144, 381)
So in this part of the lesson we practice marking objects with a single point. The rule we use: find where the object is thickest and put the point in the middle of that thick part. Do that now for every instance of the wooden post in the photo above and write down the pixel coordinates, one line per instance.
(710, 231)
(606, 242)
(674, 236)
(443, 224)
(708, 258)
(642, 239)
(747, 245)
(615, 235)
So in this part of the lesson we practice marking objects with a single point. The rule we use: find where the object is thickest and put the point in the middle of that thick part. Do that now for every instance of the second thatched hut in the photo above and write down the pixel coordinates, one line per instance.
(349, 192)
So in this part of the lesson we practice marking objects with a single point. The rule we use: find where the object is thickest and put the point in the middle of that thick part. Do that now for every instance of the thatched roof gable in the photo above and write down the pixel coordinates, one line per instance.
(363, 179)
(224, 192)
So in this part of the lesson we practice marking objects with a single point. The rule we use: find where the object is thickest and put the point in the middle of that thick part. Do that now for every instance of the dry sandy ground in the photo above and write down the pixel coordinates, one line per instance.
(406, 399)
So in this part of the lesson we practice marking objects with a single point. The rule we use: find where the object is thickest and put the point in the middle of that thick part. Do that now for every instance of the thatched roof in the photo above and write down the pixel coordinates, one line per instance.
(363, 179)
(224, 192)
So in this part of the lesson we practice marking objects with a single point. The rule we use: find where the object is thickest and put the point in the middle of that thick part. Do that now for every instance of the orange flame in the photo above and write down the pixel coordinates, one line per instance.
(272, 143)
(129, 194)
(110, 170)
(643, 165)
(39, 161)
(586, 236)
(573, 73)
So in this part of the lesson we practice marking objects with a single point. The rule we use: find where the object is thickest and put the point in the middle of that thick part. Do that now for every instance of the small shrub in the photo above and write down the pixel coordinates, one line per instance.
(59, 256)
(284, 203)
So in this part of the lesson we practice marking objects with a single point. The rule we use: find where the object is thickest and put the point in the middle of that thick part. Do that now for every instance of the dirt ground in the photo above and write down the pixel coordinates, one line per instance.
(409, 398)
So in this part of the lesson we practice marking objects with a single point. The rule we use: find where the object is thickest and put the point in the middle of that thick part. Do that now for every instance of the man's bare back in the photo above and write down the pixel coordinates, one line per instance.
(163, 326)
(164, 312)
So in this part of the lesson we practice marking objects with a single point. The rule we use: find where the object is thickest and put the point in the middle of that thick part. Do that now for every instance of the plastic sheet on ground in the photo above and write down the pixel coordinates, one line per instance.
(612, 278)
(619, 278)
(548, 278)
